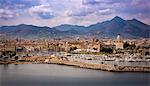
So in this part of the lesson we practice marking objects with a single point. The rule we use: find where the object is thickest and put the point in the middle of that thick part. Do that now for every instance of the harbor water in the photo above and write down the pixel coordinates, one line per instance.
(61, 75)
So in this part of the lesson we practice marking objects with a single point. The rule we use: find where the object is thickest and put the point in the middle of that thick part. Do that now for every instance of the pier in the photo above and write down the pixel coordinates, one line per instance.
(100, 66)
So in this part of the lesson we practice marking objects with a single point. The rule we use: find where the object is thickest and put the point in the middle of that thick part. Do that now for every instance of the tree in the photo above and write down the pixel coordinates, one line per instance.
(129, 46)
(73, 48)
(106, 50)
(125, 45)
(16, 58)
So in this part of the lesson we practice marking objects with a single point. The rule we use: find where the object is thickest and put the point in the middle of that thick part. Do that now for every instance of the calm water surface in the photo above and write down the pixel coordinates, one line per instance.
(59, 75)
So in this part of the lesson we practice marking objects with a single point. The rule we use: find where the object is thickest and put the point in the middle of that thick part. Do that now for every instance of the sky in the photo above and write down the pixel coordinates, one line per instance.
(76, 12)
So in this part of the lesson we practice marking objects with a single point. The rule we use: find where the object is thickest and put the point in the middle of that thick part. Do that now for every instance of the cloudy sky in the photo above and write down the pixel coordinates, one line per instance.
(76, 12)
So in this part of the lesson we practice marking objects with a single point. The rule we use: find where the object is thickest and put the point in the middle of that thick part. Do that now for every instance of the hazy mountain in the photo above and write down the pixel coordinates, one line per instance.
(130, 28)
(111, 28)
(66, 27)
(28, 31)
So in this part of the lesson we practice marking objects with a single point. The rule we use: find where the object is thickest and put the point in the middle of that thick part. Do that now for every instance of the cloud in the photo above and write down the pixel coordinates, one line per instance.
(104, 12)
(88, 7)
(85, 12)
(80, 11)
(8, 14)
(18, 4)
(91, 2)
(11, 9)
(42, 11)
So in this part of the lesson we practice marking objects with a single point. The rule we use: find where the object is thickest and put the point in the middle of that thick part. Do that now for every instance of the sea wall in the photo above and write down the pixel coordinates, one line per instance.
(100, 66)
(105, 67)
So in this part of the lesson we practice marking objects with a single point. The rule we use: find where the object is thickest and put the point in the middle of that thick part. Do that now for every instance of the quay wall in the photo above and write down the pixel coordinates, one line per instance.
(105, 67)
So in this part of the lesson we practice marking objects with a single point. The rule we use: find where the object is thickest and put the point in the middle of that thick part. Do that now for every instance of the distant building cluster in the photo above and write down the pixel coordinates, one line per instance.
(79, 45)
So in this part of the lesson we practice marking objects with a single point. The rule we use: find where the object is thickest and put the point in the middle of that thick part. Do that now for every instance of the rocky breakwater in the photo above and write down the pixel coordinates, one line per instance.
(131, 69)
(100, 66)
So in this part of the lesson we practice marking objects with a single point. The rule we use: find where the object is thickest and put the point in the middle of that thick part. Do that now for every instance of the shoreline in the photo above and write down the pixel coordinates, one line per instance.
(103, 67)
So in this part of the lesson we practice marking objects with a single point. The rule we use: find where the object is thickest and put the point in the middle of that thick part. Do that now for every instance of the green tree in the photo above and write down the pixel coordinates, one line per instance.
(106, 50)
(129, 46)
(126, 45)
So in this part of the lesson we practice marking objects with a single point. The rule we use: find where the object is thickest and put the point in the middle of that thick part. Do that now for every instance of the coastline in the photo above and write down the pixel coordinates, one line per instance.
(103, 67)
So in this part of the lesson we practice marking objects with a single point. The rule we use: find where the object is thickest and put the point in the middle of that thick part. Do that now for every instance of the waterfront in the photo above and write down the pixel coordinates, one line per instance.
(58, 75)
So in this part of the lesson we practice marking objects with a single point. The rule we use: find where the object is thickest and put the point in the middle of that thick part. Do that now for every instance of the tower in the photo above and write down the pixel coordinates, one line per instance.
(119, 42)
(118, 37)
(67, 47)
(99, 47)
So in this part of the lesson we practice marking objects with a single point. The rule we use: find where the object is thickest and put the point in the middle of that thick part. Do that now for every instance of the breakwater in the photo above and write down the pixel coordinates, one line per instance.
(105, 67)
(98, 66)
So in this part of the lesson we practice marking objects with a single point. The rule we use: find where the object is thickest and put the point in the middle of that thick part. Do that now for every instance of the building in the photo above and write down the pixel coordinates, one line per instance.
(119, 42)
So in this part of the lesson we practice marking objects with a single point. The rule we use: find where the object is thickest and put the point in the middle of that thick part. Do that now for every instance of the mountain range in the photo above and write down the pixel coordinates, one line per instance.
(107, 29)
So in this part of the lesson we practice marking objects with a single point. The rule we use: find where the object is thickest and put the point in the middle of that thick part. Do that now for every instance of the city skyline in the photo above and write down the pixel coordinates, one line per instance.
(74, 42)
(75, 12)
